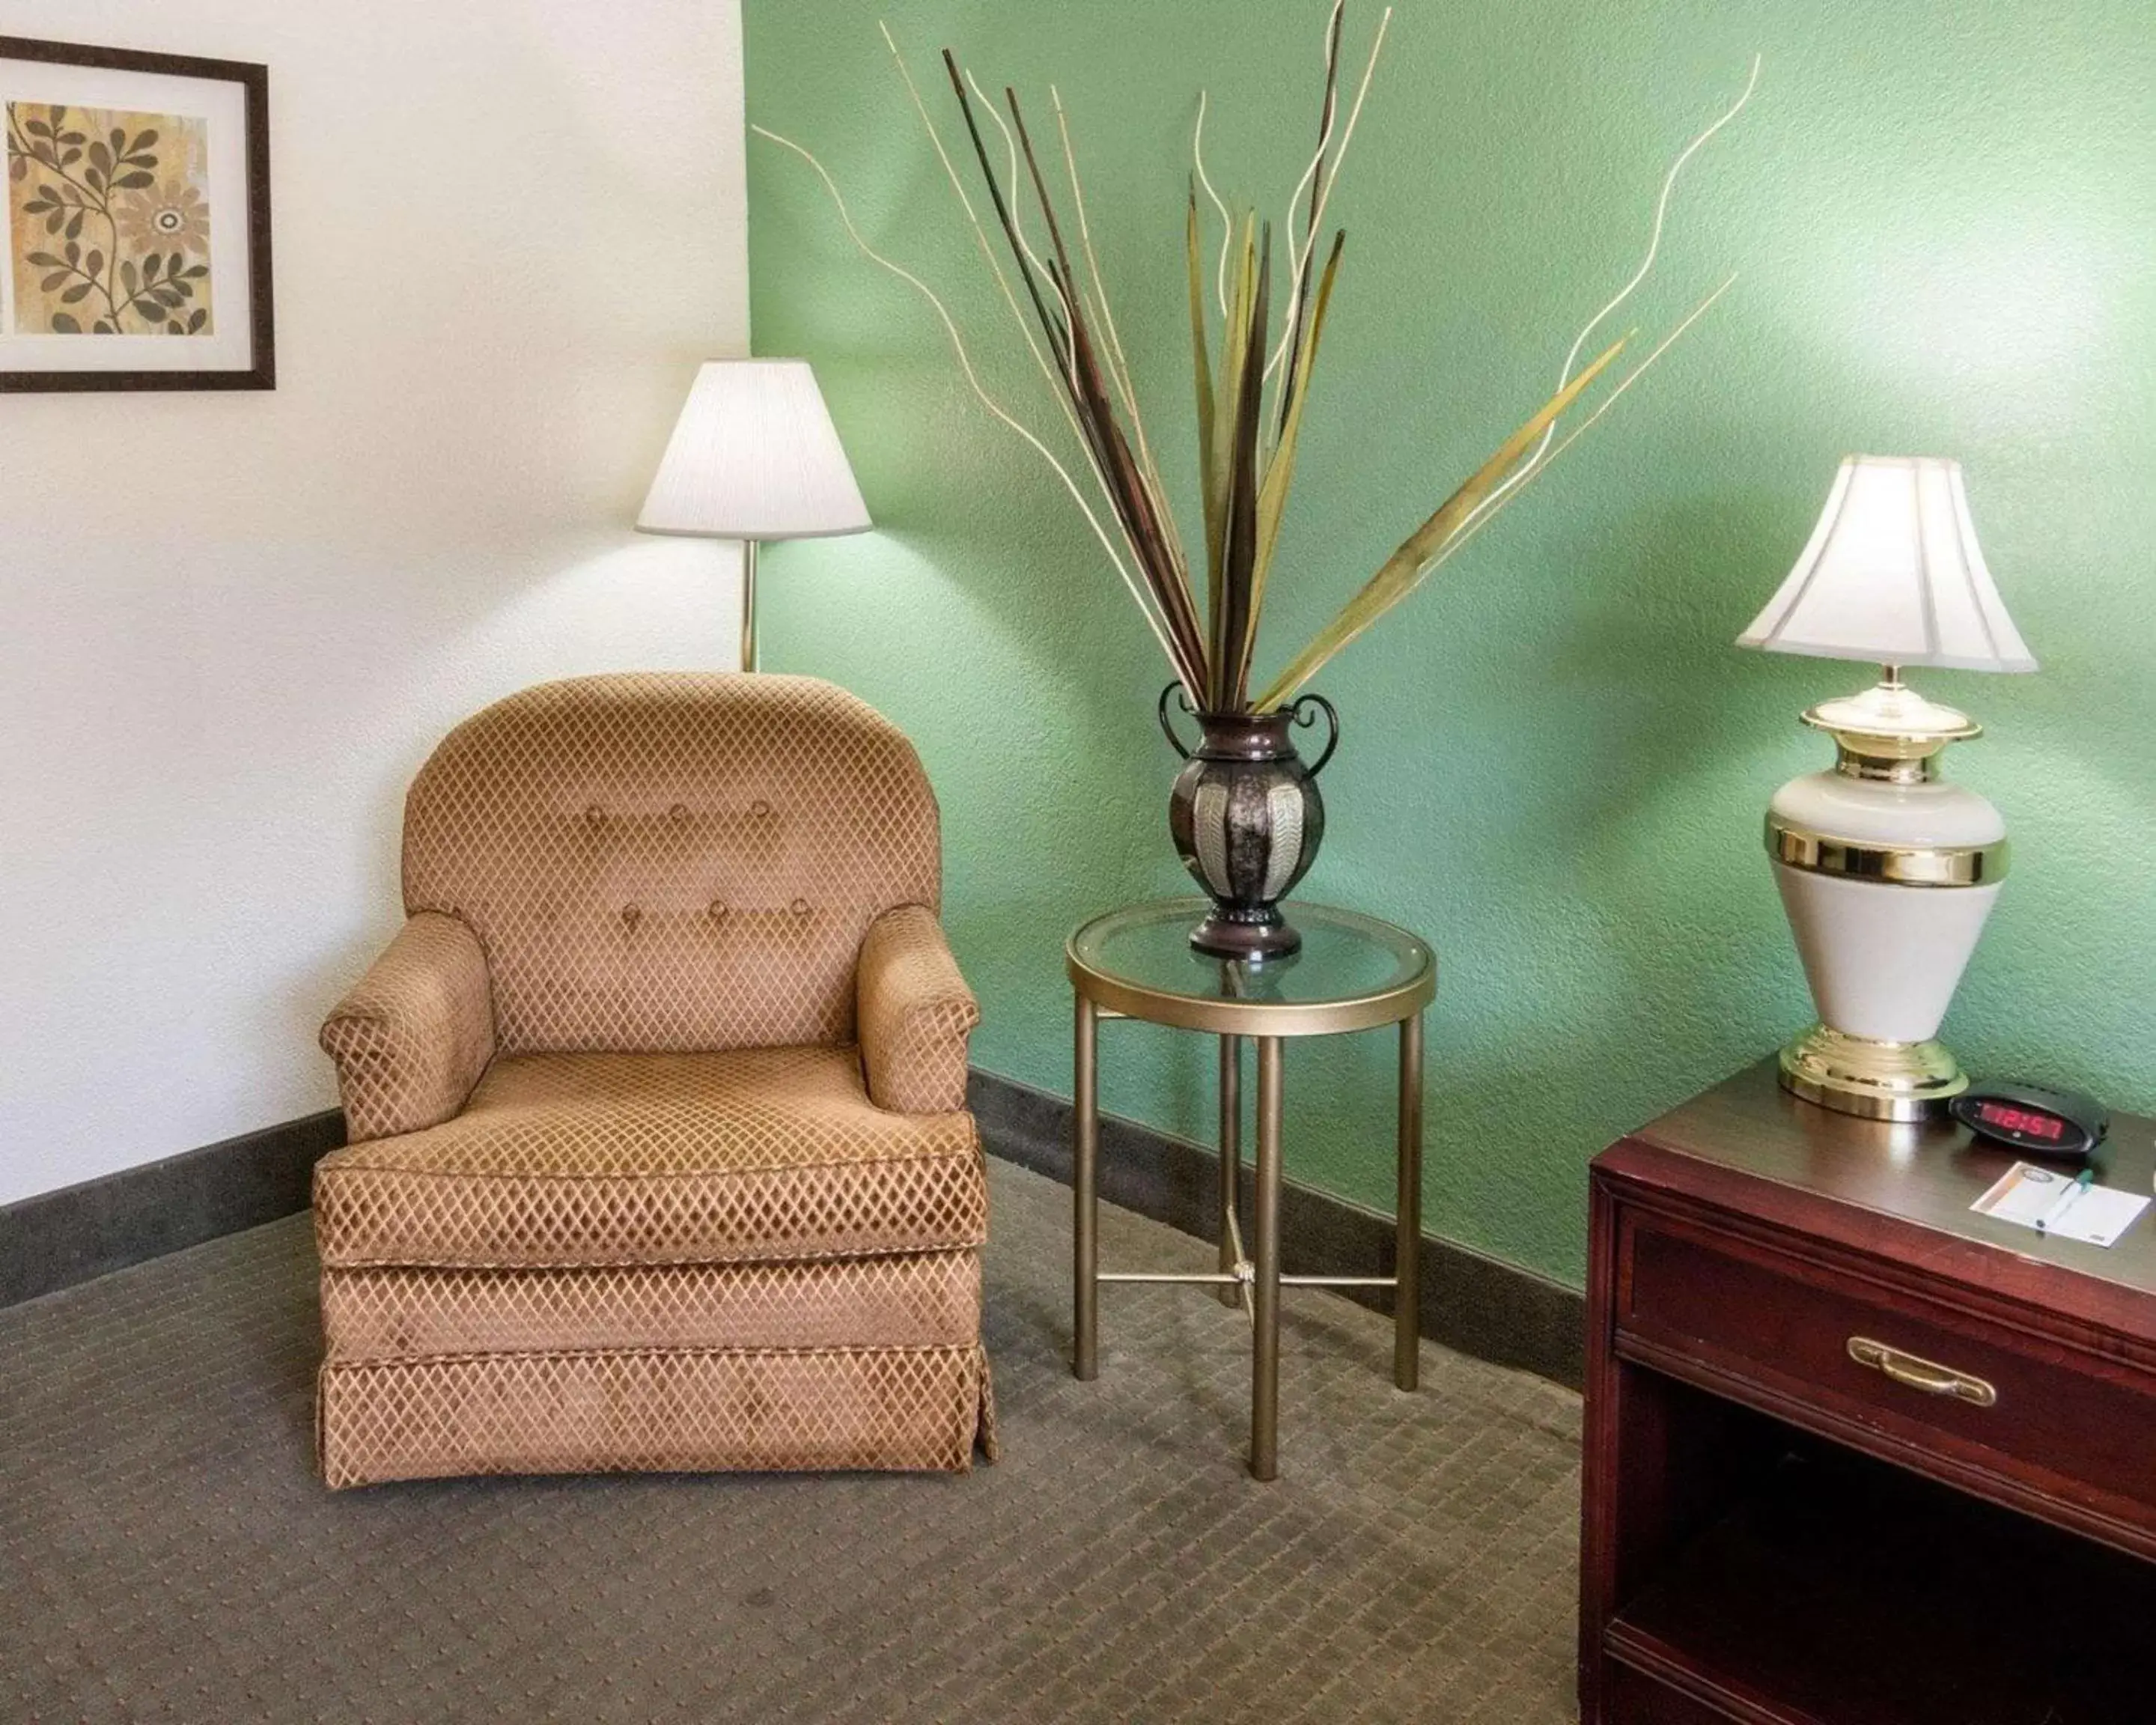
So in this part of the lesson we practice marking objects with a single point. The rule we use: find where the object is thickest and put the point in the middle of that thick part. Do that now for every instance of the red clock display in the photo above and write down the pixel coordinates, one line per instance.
(2045, 1122)
(2022, 1121)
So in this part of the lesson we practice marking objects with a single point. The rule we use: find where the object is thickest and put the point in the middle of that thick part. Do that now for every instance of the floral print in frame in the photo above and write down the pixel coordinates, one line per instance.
(134, 221)
(108, 221)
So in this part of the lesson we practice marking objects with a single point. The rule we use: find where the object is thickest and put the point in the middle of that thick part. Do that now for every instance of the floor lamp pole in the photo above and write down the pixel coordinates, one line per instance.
(748, 605)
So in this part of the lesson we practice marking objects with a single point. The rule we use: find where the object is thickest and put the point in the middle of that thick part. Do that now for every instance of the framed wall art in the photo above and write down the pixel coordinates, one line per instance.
(135, 226)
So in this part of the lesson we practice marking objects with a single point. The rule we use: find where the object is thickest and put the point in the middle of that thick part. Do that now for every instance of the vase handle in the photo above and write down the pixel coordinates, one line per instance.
(1332, 722)
(1166, 725)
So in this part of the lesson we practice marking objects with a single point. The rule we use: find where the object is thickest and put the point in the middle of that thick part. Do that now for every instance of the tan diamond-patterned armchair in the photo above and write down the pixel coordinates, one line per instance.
(659, 1156)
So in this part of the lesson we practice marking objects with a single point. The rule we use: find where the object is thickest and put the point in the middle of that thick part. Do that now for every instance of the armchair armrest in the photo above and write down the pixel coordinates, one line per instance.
(916, 1013)
(412, 1037)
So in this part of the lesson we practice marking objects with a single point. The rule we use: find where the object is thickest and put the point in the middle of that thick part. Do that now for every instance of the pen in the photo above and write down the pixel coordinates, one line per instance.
(2064, 1202)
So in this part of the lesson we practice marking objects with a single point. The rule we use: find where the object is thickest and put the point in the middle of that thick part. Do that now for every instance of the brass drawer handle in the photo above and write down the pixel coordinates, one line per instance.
(1927, 1375)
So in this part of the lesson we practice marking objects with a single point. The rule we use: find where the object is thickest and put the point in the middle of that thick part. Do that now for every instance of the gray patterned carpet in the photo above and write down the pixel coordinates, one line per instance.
(166, 1554)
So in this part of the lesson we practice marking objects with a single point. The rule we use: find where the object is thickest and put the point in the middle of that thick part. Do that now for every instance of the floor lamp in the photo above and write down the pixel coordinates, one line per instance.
(754, 456)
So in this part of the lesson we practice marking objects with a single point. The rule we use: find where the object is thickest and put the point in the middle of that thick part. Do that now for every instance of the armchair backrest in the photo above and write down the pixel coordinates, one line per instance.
(672, 860)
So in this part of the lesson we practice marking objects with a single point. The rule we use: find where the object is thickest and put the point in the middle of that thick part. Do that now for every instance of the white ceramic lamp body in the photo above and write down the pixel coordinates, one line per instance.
(1883, 959)
(1887, 872)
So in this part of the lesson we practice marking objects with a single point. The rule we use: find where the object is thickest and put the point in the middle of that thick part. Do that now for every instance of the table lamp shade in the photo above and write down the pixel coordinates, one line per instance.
(753, 456)
(1892, 575)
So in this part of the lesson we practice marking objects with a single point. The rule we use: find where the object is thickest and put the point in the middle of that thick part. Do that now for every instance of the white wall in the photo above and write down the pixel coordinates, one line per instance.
(231, 625)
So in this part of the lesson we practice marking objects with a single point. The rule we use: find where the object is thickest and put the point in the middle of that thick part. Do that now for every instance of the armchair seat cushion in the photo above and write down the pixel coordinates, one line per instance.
(580, 1160)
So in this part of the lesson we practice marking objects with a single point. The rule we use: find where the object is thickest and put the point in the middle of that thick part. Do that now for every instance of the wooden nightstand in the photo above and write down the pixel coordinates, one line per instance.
(1853, 1454)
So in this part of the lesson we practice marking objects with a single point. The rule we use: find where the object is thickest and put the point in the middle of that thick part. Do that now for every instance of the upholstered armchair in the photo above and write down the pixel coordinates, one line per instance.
(660, 1156)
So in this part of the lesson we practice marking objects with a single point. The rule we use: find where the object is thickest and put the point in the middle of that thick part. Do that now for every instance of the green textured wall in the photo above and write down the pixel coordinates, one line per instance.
(1554, 762)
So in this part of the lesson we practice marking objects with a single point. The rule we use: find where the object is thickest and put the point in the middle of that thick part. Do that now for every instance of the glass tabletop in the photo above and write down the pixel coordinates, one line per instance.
(1352, 972)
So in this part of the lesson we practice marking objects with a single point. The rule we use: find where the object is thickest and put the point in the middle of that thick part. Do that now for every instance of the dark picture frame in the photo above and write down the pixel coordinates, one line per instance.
(260, 370)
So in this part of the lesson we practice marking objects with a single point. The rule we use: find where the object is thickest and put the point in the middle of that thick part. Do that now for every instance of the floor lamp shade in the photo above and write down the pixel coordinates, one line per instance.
(754, 455)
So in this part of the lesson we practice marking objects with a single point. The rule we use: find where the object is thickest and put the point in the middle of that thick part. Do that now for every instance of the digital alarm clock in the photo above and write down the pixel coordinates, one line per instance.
(2044, 1123)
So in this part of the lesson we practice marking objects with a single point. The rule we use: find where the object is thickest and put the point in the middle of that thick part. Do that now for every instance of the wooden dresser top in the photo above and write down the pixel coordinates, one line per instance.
(1882, 1183)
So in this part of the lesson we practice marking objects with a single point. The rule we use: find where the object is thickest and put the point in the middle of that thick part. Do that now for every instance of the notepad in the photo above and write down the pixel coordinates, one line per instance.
(2025, 1193)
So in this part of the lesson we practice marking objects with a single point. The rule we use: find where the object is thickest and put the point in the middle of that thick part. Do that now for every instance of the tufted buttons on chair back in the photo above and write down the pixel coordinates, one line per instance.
(672, 860)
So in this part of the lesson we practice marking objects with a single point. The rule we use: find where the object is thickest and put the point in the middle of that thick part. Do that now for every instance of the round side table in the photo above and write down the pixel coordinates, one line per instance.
(1353, 972)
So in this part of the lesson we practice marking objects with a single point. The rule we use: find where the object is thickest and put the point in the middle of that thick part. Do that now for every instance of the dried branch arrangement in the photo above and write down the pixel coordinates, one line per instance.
(1254, 352)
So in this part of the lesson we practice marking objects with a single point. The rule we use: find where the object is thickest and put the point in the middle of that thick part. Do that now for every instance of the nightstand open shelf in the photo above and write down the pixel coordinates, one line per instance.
(1837, 1591)
(1854, 1455)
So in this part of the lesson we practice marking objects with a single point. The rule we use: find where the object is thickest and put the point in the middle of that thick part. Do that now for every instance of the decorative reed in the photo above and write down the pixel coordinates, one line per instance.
(1246, 436)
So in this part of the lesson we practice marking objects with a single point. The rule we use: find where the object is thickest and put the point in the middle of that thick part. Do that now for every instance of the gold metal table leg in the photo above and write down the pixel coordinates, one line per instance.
(1231, 1160)
(1407, 1248)
(1085, 1188)
(1265, 1360)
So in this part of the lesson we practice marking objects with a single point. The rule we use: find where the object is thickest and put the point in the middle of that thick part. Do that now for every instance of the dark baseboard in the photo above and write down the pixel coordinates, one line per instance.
(1481, 1305)
(58, 1238)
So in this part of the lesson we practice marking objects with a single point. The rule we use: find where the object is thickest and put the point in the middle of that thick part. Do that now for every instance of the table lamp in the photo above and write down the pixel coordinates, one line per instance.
(1887, 872)
(753, 456)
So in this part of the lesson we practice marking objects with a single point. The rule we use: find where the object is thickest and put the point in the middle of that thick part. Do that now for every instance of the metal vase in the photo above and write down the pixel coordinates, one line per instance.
(1247, 820)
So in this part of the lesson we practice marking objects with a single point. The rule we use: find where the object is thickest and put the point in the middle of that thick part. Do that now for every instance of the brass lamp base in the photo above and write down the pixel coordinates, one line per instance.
(1879, 1080)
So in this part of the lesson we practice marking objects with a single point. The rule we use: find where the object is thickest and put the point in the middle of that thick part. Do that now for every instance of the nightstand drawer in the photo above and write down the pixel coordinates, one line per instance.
(1916, 1375)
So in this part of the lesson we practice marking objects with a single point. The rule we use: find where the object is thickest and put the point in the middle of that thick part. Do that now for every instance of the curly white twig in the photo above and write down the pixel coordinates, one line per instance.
(1017, 198)
(1295, 201)
(1478, 518)
(1227, 221)
(1625, 293)
(966, 365)
(973, 220)
(1025, 327)
(1118, 367)
(1538, 463)
(1301, 256)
